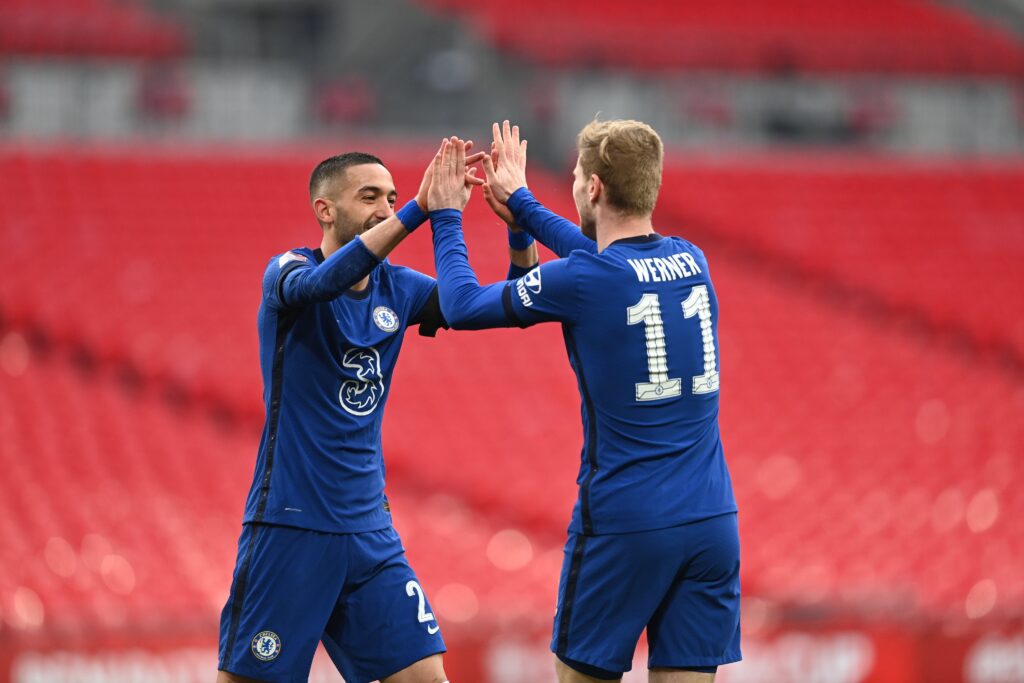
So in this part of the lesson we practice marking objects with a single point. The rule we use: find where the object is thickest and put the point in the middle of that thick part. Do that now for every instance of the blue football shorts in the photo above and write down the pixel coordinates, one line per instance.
(681, 583)
(355, 592)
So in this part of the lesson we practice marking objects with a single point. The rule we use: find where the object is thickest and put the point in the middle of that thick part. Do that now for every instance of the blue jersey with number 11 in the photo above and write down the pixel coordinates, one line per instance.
(640, 326)
(639, 321)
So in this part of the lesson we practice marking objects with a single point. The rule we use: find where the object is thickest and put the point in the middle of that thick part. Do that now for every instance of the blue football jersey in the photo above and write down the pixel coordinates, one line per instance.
(640, 323)
(327, 365)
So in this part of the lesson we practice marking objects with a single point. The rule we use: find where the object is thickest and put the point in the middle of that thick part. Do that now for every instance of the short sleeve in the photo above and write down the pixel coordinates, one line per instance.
(547, 293)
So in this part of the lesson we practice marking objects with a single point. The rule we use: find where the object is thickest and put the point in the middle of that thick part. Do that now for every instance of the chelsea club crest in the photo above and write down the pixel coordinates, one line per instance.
(266, 646)
(385, 319)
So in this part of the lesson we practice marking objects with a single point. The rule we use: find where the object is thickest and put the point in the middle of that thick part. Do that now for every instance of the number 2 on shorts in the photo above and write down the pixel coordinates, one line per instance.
(413, 589)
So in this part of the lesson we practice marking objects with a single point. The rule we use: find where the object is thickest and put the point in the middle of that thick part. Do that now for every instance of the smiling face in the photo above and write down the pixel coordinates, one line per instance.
(356, 200)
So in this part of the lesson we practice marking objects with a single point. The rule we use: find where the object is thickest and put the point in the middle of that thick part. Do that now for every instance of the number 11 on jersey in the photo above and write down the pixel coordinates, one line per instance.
(659, 384)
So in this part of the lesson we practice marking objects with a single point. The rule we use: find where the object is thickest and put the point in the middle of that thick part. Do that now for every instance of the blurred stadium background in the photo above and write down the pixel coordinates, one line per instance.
(853, 169)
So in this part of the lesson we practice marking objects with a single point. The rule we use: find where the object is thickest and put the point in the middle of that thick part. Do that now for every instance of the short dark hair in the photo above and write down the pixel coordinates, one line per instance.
(331, 168)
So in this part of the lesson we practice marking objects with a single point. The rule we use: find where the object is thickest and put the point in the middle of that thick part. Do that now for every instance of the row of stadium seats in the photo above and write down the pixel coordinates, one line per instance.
(864, 456)
(941, 238)
(96, 28)
(872, 35)
(116, 509)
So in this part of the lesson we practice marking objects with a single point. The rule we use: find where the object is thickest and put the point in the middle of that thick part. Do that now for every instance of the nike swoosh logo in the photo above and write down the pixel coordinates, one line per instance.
(433, 629)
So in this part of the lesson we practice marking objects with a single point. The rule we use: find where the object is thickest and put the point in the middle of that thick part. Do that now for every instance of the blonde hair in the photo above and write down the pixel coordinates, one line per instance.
(627, 156)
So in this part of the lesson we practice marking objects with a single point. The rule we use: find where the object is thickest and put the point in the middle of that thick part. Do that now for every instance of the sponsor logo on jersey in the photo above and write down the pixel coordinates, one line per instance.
(532, 280)
(290, 256)
(362, 395)
(266, 646)
(528, 283)
(385, 319)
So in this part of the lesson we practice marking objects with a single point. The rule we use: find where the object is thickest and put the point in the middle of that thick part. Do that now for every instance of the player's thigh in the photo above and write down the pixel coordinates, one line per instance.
(284, 589)
(383, 623)
(427, 670)
(698, 623)
(610, 587)
(678, 676)
(567, 674)
(225, 677)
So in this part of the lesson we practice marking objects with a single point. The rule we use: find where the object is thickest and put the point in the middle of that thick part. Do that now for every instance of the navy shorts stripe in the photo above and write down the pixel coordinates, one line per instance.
(570, 594)
(238, 597)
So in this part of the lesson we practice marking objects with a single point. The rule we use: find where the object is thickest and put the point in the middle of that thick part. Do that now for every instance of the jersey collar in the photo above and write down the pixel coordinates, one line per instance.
(639, 239)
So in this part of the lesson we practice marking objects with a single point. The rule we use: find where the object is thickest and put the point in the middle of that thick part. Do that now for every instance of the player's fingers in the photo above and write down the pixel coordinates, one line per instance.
(450, 167)
(515, 136)
(522, 154)
(506, 135)
(448, 162)
(460, 154)
(494, 155)
(496, 132)
(435, 169)
(489, 169)
(472, 179)
(474, 158)
(469, 145)
(459, 159)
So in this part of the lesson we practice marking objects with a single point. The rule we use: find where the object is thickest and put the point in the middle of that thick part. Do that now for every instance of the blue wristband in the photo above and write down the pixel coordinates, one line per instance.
(519, 240)
(411, 215)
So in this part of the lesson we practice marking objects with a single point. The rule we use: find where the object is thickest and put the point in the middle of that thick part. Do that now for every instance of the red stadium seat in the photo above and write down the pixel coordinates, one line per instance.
(943, 238)
(85, 463)
(875, 35)
(100, 28)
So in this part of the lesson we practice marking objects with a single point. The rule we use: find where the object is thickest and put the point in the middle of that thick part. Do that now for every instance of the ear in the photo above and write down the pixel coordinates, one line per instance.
(595, 188)
(324, 210)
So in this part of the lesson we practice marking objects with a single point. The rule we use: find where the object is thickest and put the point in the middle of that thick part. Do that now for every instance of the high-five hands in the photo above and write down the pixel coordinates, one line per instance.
(428, 174)
(506, 173)
(451, 183)
(500, 210)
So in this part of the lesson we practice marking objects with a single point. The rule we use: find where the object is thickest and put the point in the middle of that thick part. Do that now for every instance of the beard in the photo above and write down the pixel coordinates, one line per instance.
(588, 226)
(347, 228)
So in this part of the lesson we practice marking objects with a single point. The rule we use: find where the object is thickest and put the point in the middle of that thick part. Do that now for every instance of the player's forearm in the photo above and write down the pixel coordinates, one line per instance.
(330, 279)
(354, 261)
(382, 238)
(465, 304)
(554, 232)
(522, 253)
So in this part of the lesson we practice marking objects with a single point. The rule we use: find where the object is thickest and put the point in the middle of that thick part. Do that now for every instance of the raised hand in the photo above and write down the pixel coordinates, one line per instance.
(501, 210)
(421, 194)
(509, 173)
(451, 183)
